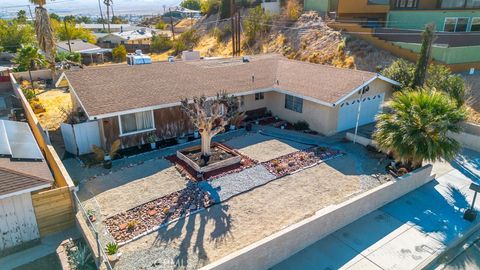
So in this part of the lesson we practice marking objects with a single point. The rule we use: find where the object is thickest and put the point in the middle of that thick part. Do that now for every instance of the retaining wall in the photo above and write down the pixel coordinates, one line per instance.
(470, 137)
(281, 245)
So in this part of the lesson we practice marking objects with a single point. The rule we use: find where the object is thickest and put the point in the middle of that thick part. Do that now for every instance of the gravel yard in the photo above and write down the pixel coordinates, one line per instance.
(223, 228)
(244, 219)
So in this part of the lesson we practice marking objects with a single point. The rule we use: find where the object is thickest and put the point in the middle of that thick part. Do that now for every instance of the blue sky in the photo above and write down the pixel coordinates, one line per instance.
(91, 6)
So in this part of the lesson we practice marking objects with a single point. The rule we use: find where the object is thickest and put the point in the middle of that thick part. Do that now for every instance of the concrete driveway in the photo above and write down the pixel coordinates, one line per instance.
(404, 234)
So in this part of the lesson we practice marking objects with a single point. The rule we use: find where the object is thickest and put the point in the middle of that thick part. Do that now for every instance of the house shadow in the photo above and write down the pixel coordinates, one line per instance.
(210, 226)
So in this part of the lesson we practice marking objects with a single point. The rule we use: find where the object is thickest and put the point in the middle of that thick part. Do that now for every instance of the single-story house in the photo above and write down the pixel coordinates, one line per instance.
(90, 53)
(139, 36)
(23, 171)
(130, 102)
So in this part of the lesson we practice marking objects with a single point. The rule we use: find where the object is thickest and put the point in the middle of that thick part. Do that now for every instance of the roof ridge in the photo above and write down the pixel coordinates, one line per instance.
(34, 177)
(324, 65)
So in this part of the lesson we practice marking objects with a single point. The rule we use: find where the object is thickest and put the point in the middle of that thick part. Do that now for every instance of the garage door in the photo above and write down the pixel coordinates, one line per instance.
(347, 115)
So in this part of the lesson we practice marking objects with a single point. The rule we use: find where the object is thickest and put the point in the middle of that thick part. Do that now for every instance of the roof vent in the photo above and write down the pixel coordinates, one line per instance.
(253, 78)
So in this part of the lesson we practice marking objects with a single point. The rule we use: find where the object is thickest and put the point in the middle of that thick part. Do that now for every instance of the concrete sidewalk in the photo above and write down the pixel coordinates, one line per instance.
(47, 246)
(406, 233)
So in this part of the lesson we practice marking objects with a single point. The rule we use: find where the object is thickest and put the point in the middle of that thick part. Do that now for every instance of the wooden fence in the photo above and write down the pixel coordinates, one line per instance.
(53, 208)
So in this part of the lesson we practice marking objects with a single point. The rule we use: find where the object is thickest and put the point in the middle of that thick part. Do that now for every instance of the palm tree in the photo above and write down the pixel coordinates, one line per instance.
(107, 3)
(417, 125)
(44, 31)
(29, 58)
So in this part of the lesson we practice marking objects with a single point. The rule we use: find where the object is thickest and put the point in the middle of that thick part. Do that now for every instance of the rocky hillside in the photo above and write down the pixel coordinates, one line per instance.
(307, 39)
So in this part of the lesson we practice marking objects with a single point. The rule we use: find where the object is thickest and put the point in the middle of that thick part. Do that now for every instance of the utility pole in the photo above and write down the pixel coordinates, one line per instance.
(30, 11)
(171, 23)
(238, 32)
(232, 19)
(68, 35)
(111, 7)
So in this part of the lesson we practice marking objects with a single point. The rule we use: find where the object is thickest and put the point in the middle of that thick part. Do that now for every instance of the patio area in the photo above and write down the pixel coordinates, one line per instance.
(248, 205)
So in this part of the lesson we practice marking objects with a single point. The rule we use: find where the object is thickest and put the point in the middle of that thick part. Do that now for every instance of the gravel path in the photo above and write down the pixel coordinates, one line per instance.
(158, 258)
(225, 187)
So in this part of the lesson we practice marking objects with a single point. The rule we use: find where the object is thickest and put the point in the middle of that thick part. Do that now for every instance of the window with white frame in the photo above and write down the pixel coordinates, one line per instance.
(259, 96)
(294, 103)
(136, 122)
(453, 24)
(475, 24)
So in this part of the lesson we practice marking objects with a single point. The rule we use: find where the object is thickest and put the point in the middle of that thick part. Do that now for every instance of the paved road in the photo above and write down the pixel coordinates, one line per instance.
(402, 234)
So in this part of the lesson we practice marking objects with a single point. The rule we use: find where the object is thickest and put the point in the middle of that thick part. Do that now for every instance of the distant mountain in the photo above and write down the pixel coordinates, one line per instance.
(9, 8)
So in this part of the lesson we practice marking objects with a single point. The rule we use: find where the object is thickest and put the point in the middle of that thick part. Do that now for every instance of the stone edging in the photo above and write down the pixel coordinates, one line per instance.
(156, 228)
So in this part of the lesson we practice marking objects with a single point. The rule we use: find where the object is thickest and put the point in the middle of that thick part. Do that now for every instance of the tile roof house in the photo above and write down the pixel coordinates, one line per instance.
(326, 97)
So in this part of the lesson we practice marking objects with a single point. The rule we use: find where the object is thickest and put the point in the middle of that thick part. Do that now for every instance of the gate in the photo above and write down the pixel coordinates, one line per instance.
(79, 138)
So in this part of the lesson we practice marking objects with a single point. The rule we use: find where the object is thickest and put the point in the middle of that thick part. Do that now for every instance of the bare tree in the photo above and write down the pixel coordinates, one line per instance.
(210, 116)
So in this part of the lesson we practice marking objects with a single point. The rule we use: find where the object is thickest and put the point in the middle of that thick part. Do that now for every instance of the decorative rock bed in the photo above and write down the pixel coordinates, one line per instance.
(299, 160)
(221, 157)
(191, 174)
(150, 216)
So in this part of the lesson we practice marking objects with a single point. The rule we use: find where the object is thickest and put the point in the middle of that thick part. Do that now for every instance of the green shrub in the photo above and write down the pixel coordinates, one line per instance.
(161, 25)
(178, 47)
(209, 7)
(218, 34)
(119, 53)
(69, 56)
(257, 24)
(161, 43)
(191, 4)
(111, 248)
(301, 125)
(190, 38)
(81, 258)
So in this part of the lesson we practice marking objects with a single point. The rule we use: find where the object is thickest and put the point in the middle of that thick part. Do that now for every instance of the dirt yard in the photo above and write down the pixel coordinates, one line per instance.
(53, 100)
(271, 148)
(244, 219)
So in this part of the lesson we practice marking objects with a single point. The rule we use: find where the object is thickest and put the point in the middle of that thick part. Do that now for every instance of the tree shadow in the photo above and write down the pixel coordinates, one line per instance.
(190, 234)
(468, 163)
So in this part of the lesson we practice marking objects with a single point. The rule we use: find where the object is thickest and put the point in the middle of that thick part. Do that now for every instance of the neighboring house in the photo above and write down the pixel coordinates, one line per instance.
(23, 171)
(90, 53)
(103, 28)
(131, 102)
(141, 36)
(400, 22)
(367, 11)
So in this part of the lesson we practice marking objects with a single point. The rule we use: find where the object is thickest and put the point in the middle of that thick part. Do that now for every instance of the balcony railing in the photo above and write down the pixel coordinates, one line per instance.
(439, 5)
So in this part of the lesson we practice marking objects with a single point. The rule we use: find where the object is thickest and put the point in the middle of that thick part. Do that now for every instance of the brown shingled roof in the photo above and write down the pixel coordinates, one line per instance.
(12, 181)
(117, 88)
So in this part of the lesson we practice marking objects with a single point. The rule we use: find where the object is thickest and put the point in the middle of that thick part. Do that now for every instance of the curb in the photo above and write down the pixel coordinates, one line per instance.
(434, 261)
